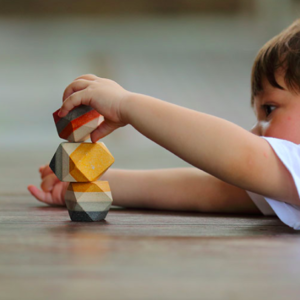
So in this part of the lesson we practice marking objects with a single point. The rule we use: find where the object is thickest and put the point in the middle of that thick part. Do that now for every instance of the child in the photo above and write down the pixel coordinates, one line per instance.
(236, 171)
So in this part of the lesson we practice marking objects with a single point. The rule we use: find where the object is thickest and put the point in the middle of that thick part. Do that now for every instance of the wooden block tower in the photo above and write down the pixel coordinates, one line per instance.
(81, 164)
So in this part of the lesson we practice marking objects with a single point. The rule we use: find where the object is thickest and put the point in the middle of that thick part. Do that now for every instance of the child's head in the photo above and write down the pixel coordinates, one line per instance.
(275, 85)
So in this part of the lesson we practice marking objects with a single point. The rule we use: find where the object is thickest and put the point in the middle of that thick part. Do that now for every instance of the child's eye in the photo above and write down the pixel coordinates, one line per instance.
(268, 109)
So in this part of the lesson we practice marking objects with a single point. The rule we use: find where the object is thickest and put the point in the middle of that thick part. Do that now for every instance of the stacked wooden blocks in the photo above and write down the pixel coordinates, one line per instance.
(82, 164)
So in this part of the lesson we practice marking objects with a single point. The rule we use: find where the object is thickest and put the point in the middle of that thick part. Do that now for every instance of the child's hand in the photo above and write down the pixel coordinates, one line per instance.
(104, 95)
(53, 190)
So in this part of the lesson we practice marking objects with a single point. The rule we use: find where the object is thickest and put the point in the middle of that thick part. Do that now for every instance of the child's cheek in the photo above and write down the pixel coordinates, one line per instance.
(272, 129)
(285, 129)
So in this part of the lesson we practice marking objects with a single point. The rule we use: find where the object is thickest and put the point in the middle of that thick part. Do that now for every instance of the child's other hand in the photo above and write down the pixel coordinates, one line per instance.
(52, 189)
(104, 95)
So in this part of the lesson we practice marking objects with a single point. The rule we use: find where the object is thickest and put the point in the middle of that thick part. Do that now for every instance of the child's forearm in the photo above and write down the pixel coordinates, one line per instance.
(214, 145)
(156, 189)
(207, 142)
(176, 189)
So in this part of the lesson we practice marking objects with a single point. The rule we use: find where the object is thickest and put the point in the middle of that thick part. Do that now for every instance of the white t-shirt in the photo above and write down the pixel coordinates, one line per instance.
(289, 154)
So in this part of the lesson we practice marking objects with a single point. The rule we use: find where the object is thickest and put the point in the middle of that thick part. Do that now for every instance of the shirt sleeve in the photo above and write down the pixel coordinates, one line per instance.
(289, 154)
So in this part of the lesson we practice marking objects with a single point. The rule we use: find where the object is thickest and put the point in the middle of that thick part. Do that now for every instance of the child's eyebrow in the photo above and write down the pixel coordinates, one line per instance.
(269, 94)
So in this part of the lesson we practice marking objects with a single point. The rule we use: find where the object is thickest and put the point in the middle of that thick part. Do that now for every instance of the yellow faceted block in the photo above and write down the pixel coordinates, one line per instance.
(81, 162)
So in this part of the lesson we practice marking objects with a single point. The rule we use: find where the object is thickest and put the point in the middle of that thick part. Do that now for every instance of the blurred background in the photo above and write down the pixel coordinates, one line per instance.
(195, 53)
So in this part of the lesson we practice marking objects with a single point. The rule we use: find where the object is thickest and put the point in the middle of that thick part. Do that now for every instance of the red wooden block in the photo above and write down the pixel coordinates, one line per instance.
(77, 125)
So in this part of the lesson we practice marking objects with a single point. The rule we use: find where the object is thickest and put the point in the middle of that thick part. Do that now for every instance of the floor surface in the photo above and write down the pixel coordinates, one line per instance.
(143, 255)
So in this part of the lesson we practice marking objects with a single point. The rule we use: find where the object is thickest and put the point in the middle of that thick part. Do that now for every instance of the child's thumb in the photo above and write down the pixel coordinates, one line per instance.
(104, 129)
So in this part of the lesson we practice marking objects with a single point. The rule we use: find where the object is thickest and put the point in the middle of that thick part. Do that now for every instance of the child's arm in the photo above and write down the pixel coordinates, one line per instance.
(187, 189)
(214, 145)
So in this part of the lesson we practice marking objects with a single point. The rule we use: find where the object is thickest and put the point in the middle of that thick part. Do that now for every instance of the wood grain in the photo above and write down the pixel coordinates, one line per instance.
(139, 254)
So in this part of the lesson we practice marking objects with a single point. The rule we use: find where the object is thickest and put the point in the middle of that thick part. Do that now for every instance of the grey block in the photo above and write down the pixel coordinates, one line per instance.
(85, 216)
(56, 162)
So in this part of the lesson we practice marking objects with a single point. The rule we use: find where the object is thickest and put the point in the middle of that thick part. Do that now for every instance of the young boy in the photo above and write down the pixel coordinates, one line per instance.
(236, 171)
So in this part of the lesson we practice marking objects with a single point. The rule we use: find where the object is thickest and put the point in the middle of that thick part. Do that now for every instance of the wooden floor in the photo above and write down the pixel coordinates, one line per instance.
(143, 255)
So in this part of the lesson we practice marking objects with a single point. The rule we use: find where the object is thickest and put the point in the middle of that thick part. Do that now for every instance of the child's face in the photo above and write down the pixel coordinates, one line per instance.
(277, 112)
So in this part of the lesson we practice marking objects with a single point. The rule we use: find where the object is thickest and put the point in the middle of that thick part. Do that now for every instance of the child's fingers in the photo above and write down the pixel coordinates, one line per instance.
(58, 193)
(104, 129)
(75, 86)
(49, 182)
(46, 171)
(41, 168)
(90, 77)
(72, 101)
(40, 195)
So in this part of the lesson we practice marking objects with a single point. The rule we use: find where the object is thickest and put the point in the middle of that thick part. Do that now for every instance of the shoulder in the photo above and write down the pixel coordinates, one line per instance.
(288, 153)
